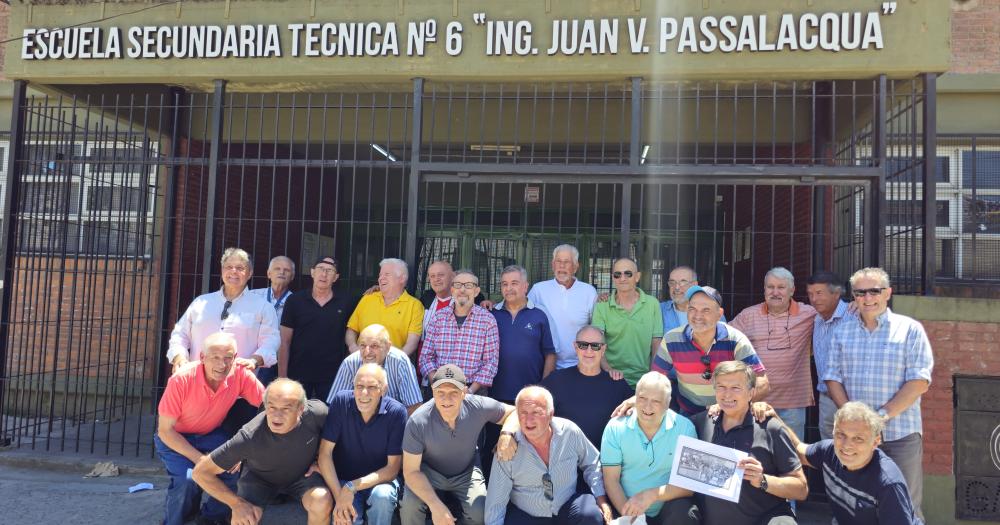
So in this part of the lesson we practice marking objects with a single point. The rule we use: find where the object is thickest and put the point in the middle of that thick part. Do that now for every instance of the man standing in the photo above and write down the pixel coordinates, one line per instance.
(439, 451)
(439, 276)
(464, 334)
(539, 485)
(631, 321)
(637, 453)
(233, 309)
(780, 330)
(772, 473)
(276, 449)
(585, 394)
(391, 307)
(361, 452)
(863, 485)
(376, 348)
(884, 360)
(566, 300)
(526, 351)
(280, 272)
(689, 354)
(674, 311)
(196, 401)
(312, 329)
(825, 290)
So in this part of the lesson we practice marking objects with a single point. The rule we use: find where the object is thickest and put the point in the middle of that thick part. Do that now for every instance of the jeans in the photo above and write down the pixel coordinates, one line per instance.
(266, 375)
(580, 509)
(377, 504)
(183, 494)
(795, 418)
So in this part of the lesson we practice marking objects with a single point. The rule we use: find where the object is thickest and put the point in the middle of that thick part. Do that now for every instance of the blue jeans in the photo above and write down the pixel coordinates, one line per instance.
(183, 494)
(380, 502)
(795, 418)
(266, 375)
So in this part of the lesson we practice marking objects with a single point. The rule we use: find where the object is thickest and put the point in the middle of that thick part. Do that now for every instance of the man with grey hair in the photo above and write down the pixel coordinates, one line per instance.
(780, 330)
(276, 450)
(280, 272)
(825, 290)
(567, 301)
(392, 307)
(231, 309)
(884, 360)
(637, 457)
(674, 310)
(863, 484)
(439, 276)
(558, 451)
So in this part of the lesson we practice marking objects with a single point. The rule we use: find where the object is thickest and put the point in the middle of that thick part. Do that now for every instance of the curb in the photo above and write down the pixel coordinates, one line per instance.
(77, 464)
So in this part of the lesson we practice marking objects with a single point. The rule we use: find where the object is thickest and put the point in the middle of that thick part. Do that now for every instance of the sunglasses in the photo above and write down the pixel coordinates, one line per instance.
(583, 345)
(874, 292)
(707, 361)
(626, 273)
(547, 486)
(225, 310)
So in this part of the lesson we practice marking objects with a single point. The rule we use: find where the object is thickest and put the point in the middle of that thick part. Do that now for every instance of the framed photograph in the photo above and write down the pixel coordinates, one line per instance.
(707, 468)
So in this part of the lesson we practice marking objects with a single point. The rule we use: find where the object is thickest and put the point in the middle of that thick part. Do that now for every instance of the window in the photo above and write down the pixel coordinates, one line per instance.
(911, 213)
(982, 170)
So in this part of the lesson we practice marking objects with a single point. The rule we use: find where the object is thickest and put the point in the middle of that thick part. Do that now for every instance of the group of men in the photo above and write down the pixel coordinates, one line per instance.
(397, 402)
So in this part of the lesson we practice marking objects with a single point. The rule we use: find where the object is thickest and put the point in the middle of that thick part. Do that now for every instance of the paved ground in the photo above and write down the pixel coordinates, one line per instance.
(41, 488)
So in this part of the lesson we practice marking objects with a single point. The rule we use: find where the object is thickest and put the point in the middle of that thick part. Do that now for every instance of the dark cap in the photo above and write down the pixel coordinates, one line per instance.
(712, 293)
(448, 374)
(328, 260)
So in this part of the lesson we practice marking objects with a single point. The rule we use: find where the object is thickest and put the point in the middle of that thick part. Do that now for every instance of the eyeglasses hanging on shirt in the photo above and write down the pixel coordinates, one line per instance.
(784, 342)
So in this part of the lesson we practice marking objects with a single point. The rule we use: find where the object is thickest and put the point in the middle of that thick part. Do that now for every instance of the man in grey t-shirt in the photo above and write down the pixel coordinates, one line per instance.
(439, 451)
(277, 449)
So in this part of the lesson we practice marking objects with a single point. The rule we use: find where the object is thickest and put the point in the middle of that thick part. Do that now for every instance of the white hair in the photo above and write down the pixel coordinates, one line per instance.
(782, 273)
(871, 272)
(567, 248)
(403, 269)
(278, 258)
(535, 391)
(655, 380)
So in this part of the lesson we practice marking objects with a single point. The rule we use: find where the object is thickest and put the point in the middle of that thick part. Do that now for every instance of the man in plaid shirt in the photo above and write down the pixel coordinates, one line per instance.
(884, 360)
(463, 334)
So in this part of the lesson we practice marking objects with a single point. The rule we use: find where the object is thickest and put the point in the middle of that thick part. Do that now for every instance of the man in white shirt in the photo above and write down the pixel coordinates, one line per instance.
(567, 301)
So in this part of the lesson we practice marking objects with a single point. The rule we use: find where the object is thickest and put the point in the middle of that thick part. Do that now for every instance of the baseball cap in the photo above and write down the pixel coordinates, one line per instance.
(448, 374)
(326, 259)
(707, 290)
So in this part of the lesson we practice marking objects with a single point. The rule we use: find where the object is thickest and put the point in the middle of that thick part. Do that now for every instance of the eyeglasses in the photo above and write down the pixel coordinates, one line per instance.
(583, 345)
(779, 342)
(467, 286)
(547, 486)
(874, 292)
(225, 310)
(626, 273)
(235, 268)
(707, 361)
(325, 271)
(678, 284)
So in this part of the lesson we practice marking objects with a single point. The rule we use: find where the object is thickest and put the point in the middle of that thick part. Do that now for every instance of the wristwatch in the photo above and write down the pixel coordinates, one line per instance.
(350, 486)
(763, 482)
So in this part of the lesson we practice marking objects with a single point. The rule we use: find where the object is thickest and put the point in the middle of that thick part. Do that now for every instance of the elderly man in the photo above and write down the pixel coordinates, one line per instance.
(280, 272)
(637, 454)
(631, 321)
(440, 455)
(464, 334)
(539, 485)
(361, 452)
(884, 360)
(233, 309)
(780, 329)
(863, 484)
(392, 307)
(439, 276)
(191, 411)
(674, 311)
(825, 290)
(772, 473)
(526, 351)
(276, 449)
(376, 348)
(586, 394)
(566, 300)
(689, 354)
(312, 330)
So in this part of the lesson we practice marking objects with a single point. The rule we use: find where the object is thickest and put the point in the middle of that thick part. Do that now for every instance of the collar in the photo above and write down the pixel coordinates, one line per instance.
(643, 297)
(382, 405)
(499, 306)
(747, 421)
(881, 320)
(557, 428)
(440, 300)
(669, 421)
(238, 297)
(793, 308)
(398, 299)
(838, 312)
(721, 333)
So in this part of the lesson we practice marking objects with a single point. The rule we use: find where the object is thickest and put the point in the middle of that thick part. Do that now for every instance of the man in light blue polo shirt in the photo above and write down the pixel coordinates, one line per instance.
(567, 301)
(825, 290)
(637, 453)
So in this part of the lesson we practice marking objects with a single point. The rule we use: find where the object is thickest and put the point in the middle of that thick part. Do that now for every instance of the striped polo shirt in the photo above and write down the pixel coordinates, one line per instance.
(783, 343)
(679, 358)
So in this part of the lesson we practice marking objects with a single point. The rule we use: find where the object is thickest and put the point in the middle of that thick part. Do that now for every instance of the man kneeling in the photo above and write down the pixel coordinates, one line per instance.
(277, 449)
(539, 485)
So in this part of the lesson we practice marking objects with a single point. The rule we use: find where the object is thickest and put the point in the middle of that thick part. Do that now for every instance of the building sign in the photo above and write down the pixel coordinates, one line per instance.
(751, 33)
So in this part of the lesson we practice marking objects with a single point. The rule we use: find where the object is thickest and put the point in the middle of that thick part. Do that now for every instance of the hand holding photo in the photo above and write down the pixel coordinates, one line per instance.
(707, 468)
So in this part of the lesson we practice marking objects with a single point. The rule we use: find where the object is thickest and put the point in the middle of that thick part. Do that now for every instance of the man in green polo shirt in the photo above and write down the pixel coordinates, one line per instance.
(631, 321)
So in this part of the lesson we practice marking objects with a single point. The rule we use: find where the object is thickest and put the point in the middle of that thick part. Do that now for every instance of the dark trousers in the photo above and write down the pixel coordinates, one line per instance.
(317, 389)
(183, 494)
(677, 511)
(579, 509)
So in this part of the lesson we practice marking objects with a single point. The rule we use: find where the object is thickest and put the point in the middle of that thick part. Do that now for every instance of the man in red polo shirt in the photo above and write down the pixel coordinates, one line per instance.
(197, 399)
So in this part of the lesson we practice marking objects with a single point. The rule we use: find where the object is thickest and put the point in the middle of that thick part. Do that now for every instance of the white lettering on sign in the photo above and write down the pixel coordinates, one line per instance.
(746, 33)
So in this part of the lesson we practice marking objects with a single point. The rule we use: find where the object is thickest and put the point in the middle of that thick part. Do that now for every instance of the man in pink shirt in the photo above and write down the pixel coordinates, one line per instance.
(780, 330)
(197, 399)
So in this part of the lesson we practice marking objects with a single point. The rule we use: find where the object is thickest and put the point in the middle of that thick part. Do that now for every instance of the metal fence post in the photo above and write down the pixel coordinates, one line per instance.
(218, 101)
(875, 195)
(413, 200)
(635, 147)
(929, 267)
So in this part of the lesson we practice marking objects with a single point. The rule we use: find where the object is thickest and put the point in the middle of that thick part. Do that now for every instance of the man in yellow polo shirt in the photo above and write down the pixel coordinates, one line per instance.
(392, 307)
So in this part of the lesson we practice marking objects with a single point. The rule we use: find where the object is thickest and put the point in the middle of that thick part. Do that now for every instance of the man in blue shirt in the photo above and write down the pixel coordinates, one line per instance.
(863, 484)
(637, 453)
(825, 290)
(361, 452)
(675, 310)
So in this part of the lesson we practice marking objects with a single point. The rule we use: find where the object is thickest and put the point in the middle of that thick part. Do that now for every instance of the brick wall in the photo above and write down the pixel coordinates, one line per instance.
(975, 36)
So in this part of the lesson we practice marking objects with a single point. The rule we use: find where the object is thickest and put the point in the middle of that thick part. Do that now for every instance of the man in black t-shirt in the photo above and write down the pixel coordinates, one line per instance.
(312, 332)
(585, 394)
(277, 449)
